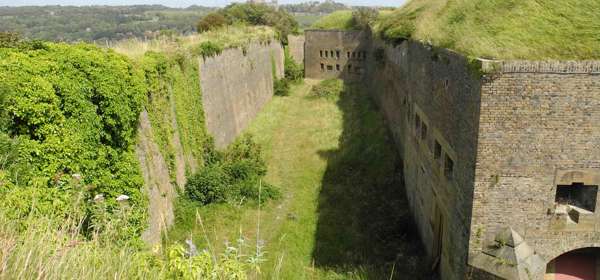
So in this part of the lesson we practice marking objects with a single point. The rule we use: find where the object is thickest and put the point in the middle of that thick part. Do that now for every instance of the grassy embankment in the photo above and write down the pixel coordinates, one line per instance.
(516, 29)
(343, 214)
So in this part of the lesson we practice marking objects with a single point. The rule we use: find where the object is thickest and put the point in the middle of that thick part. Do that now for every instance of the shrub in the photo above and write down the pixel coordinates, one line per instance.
(293, 71)
(9, 39)
(252, 14)
(328, 88)
(209, 48)
(236, 174)
(209, 185)
(281, 87)
(68, 112)
(211, 21)
(363, 17)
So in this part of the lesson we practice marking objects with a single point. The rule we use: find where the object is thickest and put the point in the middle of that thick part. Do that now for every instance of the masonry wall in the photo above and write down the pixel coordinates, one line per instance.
(332, 54)
(296, 47)
(412, 79)
(236, 85)
(539, 127)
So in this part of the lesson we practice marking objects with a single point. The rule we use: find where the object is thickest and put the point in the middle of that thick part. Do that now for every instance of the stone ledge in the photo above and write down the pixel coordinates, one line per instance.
(551, 67)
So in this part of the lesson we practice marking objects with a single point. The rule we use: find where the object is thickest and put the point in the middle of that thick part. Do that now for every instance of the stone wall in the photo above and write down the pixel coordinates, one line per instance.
(236, 85)
(336, 54)
(296, 47)
(485, 152)
(539, 128)
(413, 80)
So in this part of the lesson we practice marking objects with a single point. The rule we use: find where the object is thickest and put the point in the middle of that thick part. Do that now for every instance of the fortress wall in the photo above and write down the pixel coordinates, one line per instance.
(331, 54)
(539, 121)
(236, 85)
(296, 47)
(413, 79)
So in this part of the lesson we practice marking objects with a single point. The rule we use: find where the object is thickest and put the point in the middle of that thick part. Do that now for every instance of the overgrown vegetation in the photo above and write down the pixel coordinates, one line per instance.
(293, 74)
(68, 122)
(251, 14)
(515, 29)
(69, 119)
(235, 175)
(331, 88)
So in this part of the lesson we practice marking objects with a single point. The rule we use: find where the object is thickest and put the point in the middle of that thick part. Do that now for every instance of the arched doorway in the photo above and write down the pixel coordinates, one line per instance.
(581, 264)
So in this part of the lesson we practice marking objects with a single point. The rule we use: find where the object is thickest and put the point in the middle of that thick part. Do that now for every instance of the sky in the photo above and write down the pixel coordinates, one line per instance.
(179, 3)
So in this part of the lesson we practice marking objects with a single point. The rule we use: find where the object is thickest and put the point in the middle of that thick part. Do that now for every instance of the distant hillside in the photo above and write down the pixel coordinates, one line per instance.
(504, 29)
(67, 23)
(314, 7)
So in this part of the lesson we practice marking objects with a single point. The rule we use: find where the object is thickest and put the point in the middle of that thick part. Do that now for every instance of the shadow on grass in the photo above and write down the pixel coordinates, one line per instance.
(364, 224)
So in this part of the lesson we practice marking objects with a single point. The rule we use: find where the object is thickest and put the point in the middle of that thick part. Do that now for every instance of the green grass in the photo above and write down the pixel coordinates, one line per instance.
(501, 29)
(340, 20)
(231, 36)
(306, 20)
(342, 215)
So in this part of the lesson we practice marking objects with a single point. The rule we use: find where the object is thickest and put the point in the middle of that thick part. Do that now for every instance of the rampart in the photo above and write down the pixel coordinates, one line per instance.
(236, 85)
(501, 158)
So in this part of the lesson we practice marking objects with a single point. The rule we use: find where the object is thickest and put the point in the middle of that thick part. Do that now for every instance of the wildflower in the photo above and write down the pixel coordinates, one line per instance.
(99, 198)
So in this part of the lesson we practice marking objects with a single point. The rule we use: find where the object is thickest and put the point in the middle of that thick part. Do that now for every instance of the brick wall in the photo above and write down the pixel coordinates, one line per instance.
(538, 120)
(413, 79)
(336, 54)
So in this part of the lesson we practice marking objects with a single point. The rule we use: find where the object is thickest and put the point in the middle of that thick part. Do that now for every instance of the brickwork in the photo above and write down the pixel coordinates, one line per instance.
(502, 169)
(336, 54)
(537, 121)
(412, 80)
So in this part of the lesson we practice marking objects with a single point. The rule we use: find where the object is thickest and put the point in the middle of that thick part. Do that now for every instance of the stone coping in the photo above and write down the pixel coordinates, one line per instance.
(552, 67)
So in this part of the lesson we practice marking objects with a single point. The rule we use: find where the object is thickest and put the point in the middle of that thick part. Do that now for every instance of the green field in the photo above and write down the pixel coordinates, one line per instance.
(343, 214)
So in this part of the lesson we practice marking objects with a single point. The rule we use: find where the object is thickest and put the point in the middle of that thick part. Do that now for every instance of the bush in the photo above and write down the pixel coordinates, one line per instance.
(328, 88)
(211, 21)
(363, 17)
(210, 185)
(294, 72)
(252, 14)
(236, 174)
(281, 87)
(208, 49)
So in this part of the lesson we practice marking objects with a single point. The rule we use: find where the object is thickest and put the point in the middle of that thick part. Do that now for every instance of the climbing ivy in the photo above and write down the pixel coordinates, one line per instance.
(69, 114)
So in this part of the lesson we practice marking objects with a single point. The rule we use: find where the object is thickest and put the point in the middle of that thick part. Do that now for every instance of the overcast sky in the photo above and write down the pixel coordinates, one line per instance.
(178, 3)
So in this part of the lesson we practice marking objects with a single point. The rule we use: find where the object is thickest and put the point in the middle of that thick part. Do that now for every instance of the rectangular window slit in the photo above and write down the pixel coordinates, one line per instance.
(449, 168)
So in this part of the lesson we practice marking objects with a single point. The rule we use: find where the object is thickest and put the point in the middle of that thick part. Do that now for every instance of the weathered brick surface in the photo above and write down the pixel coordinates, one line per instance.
(236, 85)
(335, 54)
(536, 119)
(438, 85)
(513, 135)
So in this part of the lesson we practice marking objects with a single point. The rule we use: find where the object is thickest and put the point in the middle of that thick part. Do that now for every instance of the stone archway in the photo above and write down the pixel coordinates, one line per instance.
(579, 264)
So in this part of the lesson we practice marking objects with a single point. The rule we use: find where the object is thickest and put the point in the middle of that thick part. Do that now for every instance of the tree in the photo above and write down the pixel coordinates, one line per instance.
(363, 17)
(211, 22)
